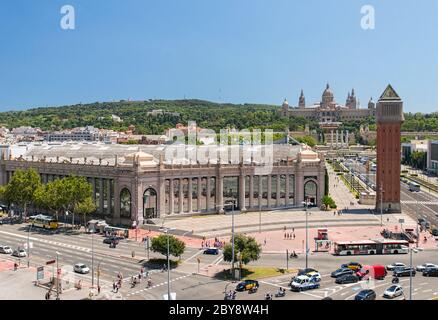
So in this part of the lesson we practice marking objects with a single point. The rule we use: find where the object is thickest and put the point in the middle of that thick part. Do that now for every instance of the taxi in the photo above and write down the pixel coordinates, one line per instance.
(247, 285)
(355, 266)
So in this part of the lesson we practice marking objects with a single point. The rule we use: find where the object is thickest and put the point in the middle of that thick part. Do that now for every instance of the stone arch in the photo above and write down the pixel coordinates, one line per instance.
(311, 192)
(125, 203)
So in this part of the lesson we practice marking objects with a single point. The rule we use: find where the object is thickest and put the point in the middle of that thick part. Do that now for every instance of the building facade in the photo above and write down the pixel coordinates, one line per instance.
(389, 120)
(137, 183)
(432, 156)
(328, 110)
(88, 133)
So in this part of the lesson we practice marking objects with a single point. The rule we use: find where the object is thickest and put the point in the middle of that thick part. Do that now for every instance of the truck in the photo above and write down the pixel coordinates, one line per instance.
(377, 272)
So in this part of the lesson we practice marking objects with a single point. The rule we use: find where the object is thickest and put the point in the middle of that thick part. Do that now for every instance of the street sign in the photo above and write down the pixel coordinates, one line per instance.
(51, 262)
(401, 220)
(40, 273)
(59, 271)
(30, 245)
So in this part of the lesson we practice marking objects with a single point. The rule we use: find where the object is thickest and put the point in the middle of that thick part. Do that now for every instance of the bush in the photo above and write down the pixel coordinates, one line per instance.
(329, 202)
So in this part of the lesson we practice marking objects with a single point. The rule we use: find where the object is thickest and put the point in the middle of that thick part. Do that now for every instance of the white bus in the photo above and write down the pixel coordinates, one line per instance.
(371, 247)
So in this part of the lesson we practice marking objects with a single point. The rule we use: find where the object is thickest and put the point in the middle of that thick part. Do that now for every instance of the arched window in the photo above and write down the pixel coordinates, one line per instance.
(125, 203)
(310, 192)
(150, 204)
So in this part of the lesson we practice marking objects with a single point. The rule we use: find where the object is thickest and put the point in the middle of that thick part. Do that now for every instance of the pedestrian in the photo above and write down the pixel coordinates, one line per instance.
(294, 236)
(114, 286)
(293, 229)
(98, 289)
(284, 228)
(285, 236)
(265, 241)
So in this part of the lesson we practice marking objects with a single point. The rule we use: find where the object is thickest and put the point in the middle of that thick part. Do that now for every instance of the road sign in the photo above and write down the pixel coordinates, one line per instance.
(40, 273)
(59, 271)
(51, 262)
(401, 220)
(30, 245)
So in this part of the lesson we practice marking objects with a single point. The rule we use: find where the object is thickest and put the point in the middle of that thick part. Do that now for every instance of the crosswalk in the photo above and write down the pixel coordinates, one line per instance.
(157, 285)
(419, 202)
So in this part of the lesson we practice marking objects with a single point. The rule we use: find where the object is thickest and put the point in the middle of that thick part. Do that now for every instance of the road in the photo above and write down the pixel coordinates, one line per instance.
(415, 204)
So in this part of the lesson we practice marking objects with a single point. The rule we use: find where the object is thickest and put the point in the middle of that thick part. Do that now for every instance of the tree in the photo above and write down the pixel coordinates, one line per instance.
(329, 202)
(21, 189)
(309, 140)
(85, 207)
(419, 159)
(176, 246)
(49, 197)
(246, 249)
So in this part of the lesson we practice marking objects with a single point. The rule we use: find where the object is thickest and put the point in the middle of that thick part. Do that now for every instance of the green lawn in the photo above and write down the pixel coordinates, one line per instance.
(252, 272)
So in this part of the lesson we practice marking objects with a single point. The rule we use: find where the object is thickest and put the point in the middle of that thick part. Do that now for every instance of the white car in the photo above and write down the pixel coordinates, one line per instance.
(20, 253)
(393, 292)
(6, 249)
(425, 266)
(391, 267)
(81, 268)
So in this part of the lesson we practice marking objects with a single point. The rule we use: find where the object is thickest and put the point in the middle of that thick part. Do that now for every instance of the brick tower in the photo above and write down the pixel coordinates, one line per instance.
(389, 118)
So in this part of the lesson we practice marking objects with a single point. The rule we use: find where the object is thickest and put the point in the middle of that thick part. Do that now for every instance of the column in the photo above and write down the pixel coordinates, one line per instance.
(287, 189)
(116, 216)
(171, 197)
(299, 187)
(260, 192)
(208, 195)
(220, 193)
(242, 193)
(108, 195)
(199, 190)
(347, 142)
(190, 198)
(331, 140)
(342, 138)
(101, 194)
(278, 191)
(161, 210)
(337, 137)
(269, 190)
(181, 196)
(251, 191)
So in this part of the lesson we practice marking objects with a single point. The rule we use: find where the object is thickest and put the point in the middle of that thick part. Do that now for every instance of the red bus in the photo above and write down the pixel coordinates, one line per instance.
(362, 247)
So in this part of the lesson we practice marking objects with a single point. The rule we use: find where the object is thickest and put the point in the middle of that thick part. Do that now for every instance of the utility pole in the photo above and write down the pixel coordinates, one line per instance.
(260, 218)
(92, 259)
(168, 267)
(232, 241)
(28, 245)
(307, 232)
(57, 276)
(381, 204)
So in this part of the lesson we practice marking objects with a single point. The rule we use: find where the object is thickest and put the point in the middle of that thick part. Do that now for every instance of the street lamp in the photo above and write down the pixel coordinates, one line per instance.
(381, 204)
(166, 230)
(232, 236)
(28, 245)
(92, 259)
(306, 204)
(410, 269)
(57, 275)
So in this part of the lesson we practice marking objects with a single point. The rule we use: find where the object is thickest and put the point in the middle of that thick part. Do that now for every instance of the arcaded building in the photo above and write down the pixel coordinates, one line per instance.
(328, 110)
(136, 183)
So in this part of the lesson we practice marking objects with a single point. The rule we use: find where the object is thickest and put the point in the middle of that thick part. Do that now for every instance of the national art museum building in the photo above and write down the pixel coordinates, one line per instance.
(141, 182)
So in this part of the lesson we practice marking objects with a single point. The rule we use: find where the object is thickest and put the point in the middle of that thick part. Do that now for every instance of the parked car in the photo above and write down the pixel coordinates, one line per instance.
(435, 232)
(341, 272)
(426, 266)
(301, 283)
(430, 272)
(211, 251)
(366, 294)
(314, 275)
(81, 268)
(376, 272)
(20, 253)
(6, 249)
(404, 272)
(393, 292)
(348, 278)
(355, 266)
(246, 285)
(391, 267)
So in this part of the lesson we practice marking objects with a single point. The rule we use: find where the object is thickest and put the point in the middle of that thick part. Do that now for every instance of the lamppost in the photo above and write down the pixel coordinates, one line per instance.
(92, 259)
(98, 274)
(260, 218)
(410, 269)
(306, 203)
(166, 230)
(28, 245)
(57, 276)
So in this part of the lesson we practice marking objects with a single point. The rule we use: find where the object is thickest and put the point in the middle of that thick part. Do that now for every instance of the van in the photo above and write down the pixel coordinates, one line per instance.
(377, 272)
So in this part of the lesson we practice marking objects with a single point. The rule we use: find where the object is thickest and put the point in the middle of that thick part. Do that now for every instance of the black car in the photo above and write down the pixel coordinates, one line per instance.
(348, 278)
(341, 272)
(113, 239)
(430, 272)
(404, 272)
(435, 232)
(366, 294)
(303, 272)
(211, 251)
(247, 285)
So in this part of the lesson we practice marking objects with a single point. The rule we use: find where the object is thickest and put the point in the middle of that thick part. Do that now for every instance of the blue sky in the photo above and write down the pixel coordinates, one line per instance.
(254, 51)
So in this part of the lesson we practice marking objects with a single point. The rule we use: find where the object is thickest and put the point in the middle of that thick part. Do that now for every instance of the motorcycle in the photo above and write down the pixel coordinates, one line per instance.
(252, 290)
(268, 296)
(395, 280)
(280, 294)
